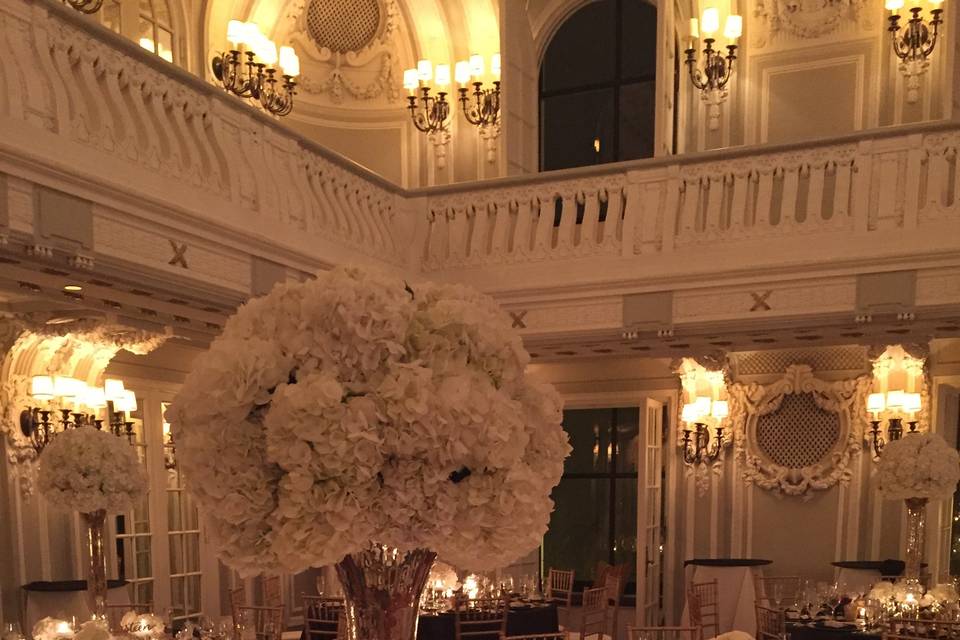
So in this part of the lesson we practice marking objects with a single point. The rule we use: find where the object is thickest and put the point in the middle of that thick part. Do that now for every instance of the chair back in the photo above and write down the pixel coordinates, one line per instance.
(703, 603)
(786, 587)
(481, 619)
(612, 587)
(267, 622)
(238, 599)
(915, 629)
(322, 617)
(272, 592)
(593, 613)
(115, 613)
(600, 571)
(771, 624)
(663, 633)
(560, 587)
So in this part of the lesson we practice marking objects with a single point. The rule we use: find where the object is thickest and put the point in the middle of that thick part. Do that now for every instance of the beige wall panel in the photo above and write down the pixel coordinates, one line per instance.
(379, 150)
(819, 99)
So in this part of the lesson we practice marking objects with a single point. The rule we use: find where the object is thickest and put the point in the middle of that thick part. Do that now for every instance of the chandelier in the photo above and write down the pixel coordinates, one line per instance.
(78, 405)
(915, 45)
(84, 6)
(430, 110)
(896, 405)
(704, 441)
(249, 70)
(712, 78)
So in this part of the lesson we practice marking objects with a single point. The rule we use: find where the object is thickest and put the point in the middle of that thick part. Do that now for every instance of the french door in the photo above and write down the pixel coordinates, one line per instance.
(159, 547)
(649, 514)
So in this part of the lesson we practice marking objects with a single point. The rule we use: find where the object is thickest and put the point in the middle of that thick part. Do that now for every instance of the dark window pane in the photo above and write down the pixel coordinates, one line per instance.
(570, 124)
(589, 431)
(625, 527)
(628, 446)
(582, 52)
(579, 526)
(638, 40)
(637, 120)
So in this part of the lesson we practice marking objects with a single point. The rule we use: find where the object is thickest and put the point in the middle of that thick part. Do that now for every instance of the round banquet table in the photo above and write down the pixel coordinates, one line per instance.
(860, 575)
(521, 620)
(805, 632)
(65, 599)
(736, 590)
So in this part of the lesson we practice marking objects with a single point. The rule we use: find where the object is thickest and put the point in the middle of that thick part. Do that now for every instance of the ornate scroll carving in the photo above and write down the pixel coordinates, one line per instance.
(82, 351)
(790, 458)
(805, 19)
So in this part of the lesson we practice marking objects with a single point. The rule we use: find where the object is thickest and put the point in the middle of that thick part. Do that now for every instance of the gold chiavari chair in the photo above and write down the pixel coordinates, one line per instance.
(267, 622)
(272, 592)
(600, 573)
(663, 633)
(322, 617)
(786, 587)
(612, 587)
(481, 619)
(593, 616)
(115, 613)
(560, 587)
(703, 603)
(771, 624)
(915, 629)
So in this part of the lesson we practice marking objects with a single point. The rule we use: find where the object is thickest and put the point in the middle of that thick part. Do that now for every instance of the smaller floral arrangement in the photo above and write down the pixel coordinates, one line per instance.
(443, 577)
(51, 629)
(93, 630)
(907, 597)
(919, 465)
(88, 470)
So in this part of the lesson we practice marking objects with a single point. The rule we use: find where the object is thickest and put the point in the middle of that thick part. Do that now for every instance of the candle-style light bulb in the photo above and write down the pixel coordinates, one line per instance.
(289, 62)
(425, 70)
(733, 28)
(461, 72)
(694, 28)
(476, 65)
(411, 79)
(236, 33)
(893, 5)
(495, 65)
(442, 75)
(710, 23)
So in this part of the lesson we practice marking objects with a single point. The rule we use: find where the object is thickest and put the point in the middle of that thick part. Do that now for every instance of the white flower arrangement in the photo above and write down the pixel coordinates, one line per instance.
(353, 409)
(443, 577)
(919, 465)
(84, 469)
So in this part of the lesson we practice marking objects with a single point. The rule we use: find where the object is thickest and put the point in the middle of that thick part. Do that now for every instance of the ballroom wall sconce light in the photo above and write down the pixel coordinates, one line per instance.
(898, 398)
(79, 405)
(916, 43)
(704, 441)
(428, 87)
(249, 69)
(714, 75)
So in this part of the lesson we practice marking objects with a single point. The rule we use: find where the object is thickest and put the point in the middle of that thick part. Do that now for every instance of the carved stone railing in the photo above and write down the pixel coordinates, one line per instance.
(86, 111)
(78, 97)
(880, 180)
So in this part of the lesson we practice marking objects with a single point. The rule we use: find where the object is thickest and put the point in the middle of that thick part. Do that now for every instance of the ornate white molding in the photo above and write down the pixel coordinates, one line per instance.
(82, 350)
(804, 19)
(749, 402)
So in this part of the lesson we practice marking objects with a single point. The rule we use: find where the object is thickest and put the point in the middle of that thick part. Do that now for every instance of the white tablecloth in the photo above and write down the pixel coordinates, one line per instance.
(737, 593)
(64, 605)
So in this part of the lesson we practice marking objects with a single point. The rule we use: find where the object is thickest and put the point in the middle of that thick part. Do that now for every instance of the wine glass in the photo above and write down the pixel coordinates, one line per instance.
(777, 594)
(11, 631)
(834, 597)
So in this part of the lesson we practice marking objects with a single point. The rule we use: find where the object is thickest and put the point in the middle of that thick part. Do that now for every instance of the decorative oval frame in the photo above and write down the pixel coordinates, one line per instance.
(749, 402)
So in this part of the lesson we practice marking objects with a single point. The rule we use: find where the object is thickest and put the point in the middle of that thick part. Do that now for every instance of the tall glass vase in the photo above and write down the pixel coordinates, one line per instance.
(382, 588)
(97, 570)
(916, 524)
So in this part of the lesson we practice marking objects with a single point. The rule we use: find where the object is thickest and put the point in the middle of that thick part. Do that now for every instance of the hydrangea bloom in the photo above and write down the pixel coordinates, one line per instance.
(86, 470)
(353, 408)
(919, 465)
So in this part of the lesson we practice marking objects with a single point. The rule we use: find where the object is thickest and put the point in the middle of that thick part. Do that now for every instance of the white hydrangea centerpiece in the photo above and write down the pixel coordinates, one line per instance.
(919, 465)
(354, 408)
(87, 470)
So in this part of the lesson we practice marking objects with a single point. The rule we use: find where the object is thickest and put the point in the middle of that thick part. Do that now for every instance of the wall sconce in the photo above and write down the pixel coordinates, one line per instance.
(713, 77)
(483, 111)
(431, 115)
(79, 405)
(896, 405)
(247, 69)
(915, 46)
(899, 380)
(699, 445)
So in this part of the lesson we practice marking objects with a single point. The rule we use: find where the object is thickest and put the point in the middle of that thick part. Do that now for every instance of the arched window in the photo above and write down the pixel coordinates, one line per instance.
(148, 22)
(597, 86)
